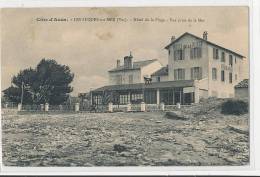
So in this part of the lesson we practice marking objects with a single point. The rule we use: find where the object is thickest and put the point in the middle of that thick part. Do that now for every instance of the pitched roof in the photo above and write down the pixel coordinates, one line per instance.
(211, 43)
(153, 85)
(161, 72)
(243, 84)
(136, 65)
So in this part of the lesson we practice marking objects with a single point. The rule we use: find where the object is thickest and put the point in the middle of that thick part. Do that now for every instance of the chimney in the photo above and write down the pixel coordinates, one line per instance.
(205, 35)
(117, 63)
(172, 38)
(128, 61)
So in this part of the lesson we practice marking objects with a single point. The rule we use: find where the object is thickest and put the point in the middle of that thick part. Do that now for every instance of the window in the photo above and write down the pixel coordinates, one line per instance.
(195, 52)
(179, 54)
(150, 97)
(118, 79)
(136, 96)
(196, 73)
(223, 57)
(158, 79)
(166, 96)
(235, 76)
(230, 77)
(124, 99)
(130, 79)
(179, 74)
(235, 60)
(215, 53)
(97, 100)
(223, 75)
(230, 60)
(214, 73)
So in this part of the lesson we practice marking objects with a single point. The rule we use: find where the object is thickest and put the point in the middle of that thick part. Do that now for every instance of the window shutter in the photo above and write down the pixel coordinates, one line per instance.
(200, 52)
(230, 77)
(175, 74)
(183, 74)
(214, 74)
(200, 72)
(223, 75)
(191, 73)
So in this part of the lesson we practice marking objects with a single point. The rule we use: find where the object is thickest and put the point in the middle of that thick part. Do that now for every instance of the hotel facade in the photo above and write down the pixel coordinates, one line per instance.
(197, 68)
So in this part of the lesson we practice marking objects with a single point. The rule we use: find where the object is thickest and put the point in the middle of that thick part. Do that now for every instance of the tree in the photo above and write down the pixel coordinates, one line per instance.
(49, 83)
(13, 93)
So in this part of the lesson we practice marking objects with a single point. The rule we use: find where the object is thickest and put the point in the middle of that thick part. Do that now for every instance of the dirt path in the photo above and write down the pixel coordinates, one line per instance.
(123, 139)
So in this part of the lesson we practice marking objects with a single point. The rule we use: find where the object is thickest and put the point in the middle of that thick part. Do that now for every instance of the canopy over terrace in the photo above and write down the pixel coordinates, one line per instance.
(169, 92)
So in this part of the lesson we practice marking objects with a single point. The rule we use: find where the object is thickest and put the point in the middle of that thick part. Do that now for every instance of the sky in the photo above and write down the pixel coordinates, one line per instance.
(90, 48)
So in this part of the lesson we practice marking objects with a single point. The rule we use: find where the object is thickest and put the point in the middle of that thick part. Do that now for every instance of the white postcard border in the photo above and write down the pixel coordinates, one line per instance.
(253, 168)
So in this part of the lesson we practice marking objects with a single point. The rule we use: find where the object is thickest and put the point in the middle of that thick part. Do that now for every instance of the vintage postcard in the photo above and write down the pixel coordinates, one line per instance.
(125, 86)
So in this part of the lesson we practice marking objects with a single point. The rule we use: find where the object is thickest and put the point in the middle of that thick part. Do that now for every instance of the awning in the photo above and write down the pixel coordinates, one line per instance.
(155, 85)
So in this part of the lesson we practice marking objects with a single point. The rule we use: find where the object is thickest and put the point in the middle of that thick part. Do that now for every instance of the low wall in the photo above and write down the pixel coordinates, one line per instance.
(27, 109)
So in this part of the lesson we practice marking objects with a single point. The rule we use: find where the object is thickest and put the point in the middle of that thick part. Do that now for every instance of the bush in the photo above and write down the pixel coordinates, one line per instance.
(235, 107)
(119, 148)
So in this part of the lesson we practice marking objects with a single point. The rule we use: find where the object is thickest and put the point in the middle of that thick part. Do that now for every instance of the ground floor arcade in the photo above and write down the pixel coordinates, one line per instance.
(170, 93)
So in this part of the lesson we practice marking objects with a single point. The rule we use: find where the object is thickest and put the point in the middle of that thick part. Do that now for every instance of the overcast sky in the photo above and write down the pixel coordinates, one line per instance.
(90, 49)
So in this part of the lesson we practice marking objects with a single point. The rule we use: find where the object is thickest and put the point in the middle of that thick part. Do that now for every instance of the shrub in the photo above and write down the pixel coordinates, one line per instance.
(119, 148)
(235, 107)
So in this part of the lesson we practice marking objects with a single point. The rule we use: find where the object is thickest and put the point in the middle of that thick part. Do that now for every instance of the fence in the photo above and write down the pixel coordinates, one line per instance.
(46, 107)
(9, 105)
(99, 108)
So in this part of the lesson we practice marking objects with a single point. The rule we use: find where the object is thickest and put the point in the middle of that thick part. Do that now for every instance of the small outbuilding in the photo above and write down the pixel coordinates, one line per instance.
(241, 89)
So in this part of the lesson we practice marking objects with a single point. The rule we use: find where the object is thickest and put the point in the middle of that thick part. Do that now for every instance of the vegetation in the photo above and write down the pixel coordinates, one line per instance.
(235, 107)
(110, 96)
(49, 83)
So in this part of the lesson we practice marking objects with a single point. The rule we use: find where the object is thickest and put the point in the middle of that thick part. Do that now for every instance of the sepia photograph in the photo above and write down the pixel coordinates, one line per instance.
(125, 86)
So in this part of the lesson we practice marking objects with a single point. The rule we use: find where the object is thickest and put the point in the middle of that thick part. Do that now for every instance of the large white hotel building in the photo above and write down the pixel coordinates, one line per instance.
(197, 68)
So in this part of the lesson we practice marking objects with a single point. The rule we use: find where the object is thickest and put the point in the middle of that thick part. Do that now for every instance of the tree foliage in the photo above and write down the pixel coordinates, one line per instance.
(49, 83)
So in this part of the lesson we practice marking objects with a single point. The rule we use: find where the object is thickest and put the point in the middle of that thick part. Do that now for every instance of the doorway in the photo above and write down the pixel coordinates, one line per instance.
(188, 98)
(178, 97)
